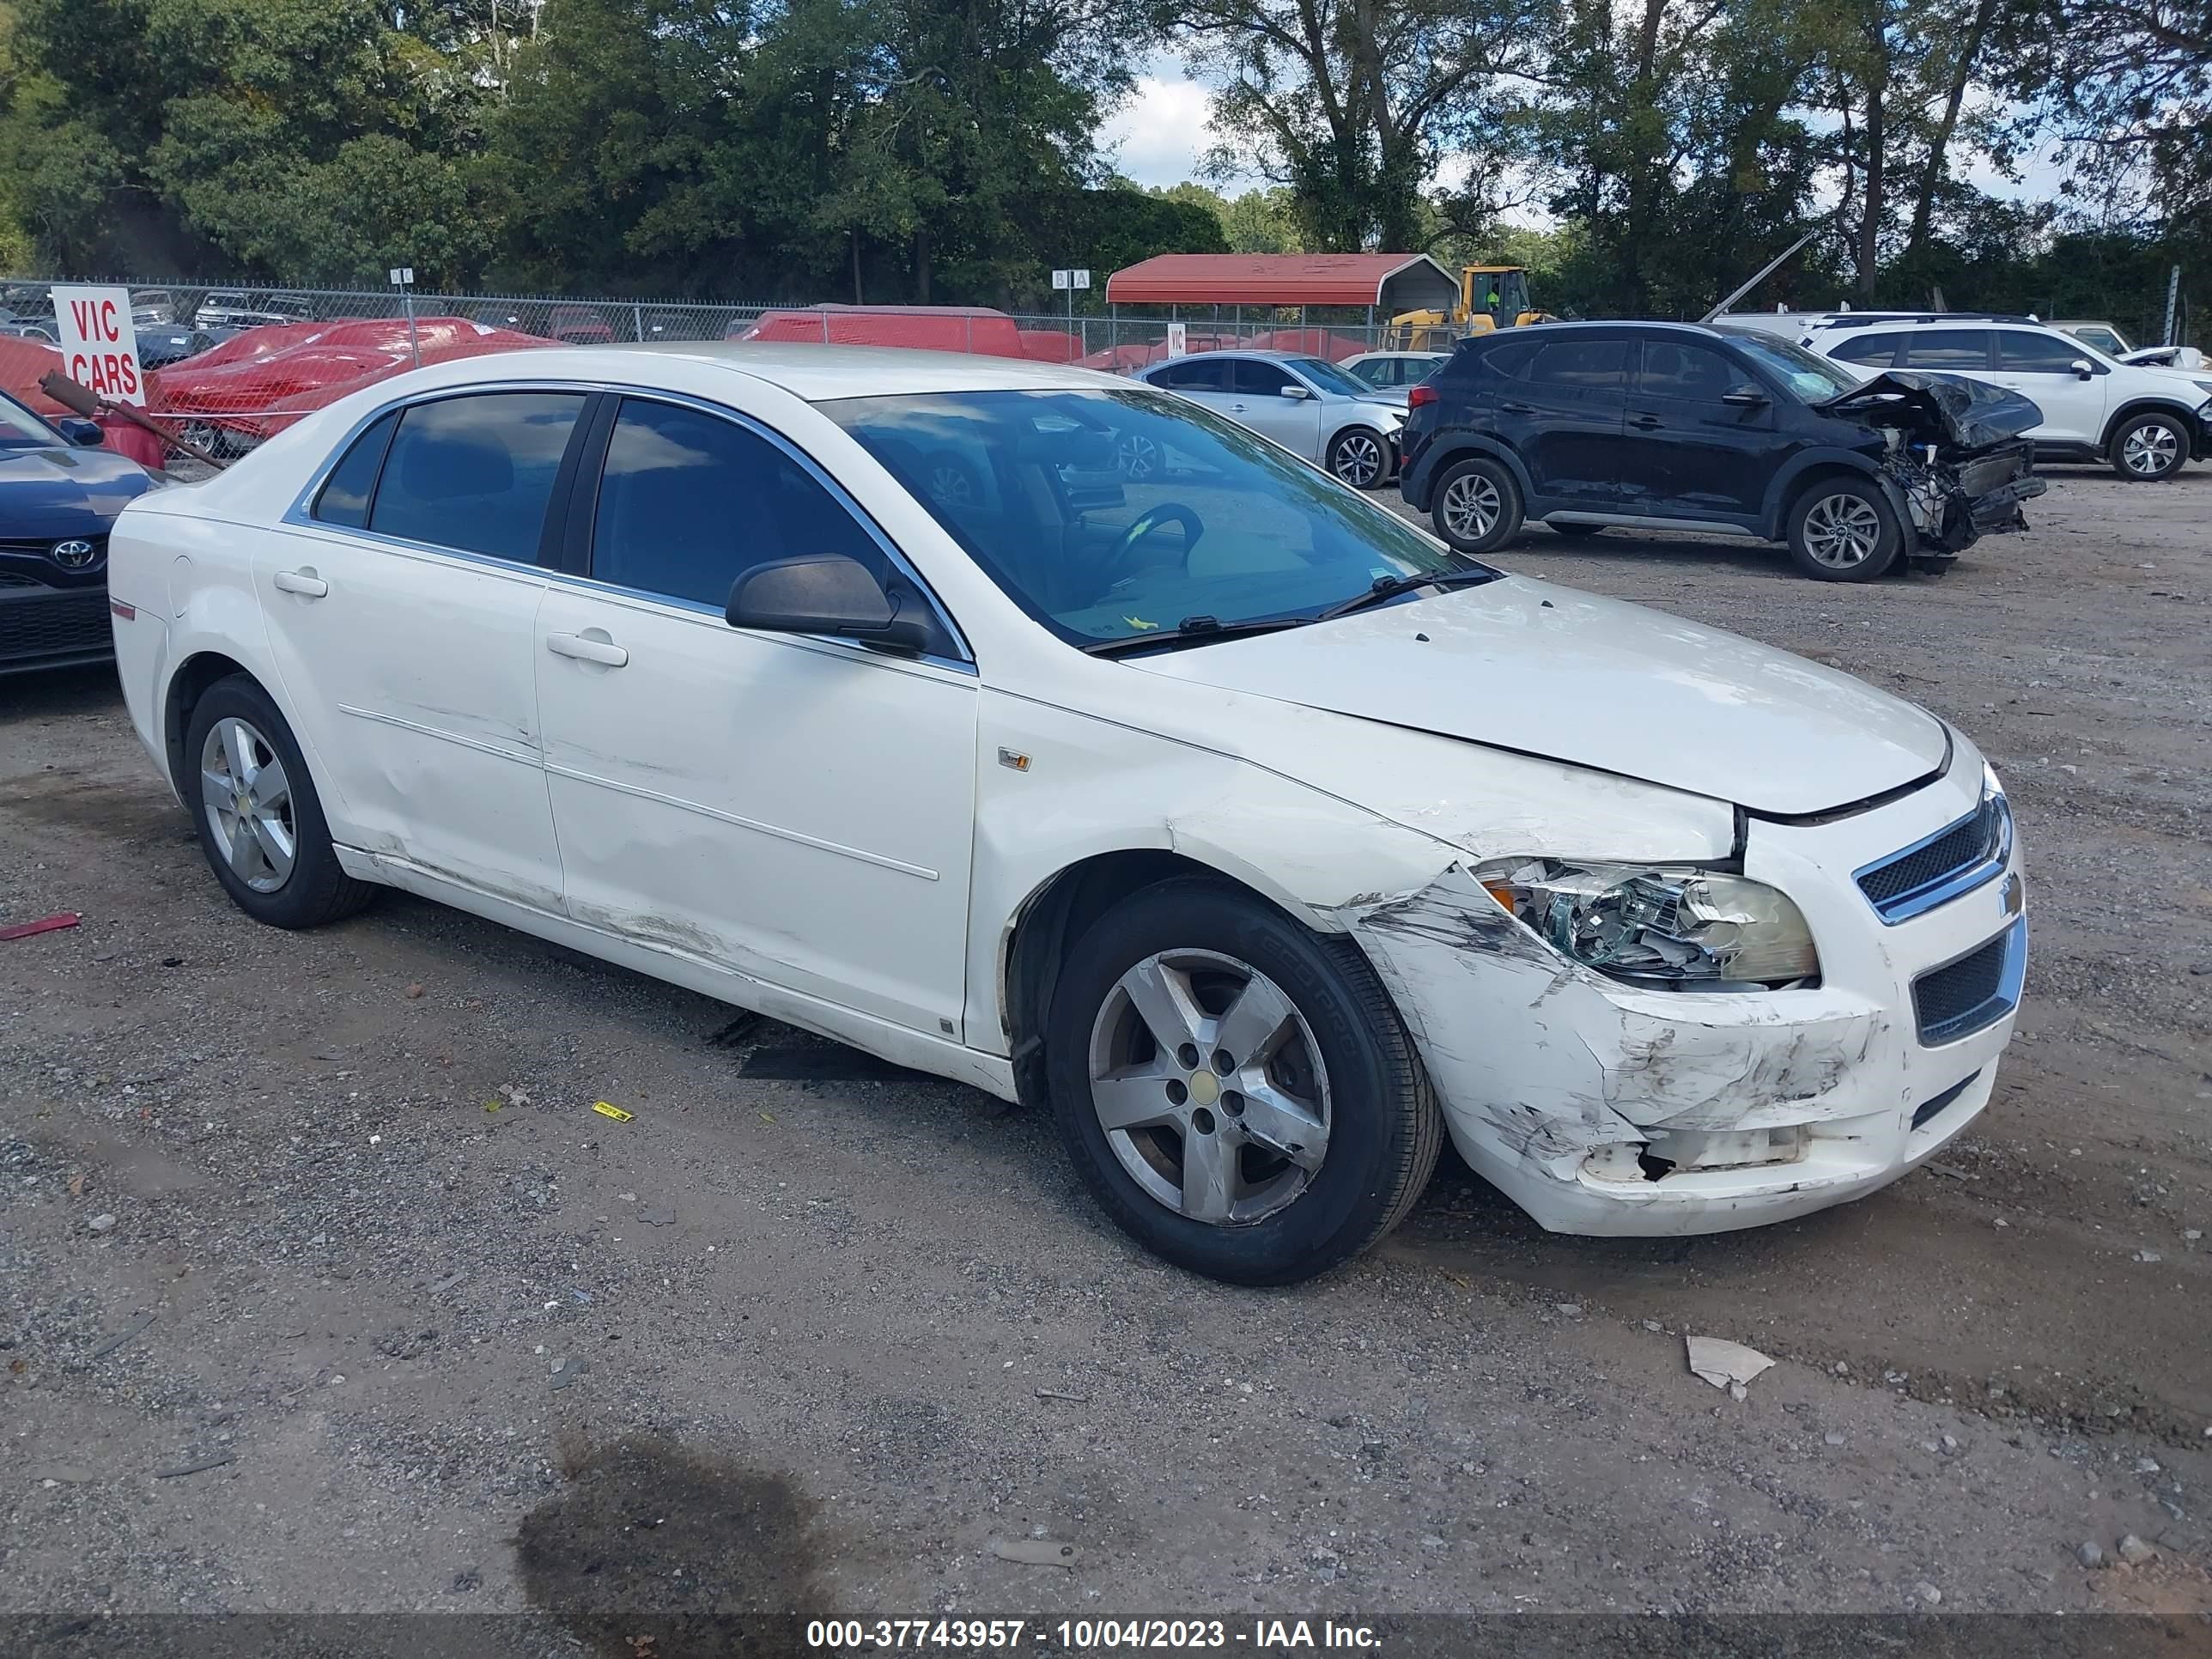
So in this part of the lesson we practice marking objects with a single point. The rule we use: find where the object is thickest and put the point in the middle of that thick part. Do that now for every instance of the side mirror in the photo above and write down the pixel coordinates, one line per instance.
(822, 594)
(1744, 396)
(2083, 367)
(85, 434)
(1295, 393)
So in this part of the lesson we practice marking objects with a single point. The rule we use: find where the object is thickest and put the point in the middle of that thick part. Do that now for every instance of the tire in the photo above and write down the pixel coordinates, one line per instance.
(1328, 1058)
(236, 732)
(2148, 448)
(950, 482)
(1575, 532)
(1477, 505)
(1359, 456)
(1843, 530)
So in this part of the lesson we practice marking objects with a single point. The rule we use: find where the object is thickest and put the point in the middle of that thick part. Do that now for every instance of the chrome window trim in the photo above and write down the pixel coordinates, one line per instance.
(300, 514)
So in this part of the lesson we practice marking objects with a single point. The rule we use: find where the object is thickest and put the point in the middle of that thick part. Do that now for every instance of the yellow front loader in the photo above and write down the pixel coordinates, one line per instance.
(1490, 297)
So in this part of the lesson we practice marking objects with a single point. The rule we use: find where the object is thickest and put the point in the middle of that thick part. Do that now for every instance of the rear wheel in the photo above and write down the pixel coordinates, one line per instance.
(1478, 505)
(1236, 1090)
(1357, 455)
(2149, 448)
(1843, 530)
(260, 823)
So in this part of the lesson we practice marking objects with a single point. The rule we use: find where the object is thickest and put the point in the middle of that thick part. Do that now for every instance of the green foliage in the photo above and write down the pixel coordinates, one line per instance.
(944, 150)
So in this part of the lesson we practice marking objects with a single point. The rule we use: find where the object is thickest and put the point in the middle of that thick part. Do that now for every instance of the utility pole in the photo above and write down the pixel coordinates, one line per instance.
(2172, 304)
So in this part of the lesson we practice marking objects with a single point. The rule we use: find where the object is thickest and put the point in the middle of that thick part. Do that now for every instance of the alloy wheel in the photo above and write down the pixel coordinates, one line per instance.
(1210, 1087)
(1139, 457)
(1471, 505)
(1358, 459)
(1842, 531)
(2149, 450)
(248, 802)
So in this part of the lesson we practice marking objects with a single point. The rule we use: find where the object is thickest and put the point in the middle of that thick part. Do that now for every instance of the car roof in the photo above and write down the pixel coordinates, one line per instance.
(819, 374)
(1257, 352)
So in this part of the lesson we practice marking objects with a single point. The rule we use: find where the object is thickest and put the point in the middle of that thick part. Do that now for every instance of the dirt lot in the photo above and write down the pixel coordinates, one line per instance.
(804, 1332)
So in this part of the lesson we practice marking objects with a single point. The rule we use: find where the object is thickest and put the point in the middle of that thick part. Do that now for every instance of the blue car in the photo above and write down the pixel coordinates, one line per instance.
(59, 493)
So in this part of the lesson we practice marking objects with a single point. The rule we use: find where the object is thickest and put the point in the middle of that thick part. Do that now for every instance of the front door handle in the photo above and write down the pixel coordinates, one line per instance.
(1237, 409)
(1645, 422)
(605, 652)
(306, 583)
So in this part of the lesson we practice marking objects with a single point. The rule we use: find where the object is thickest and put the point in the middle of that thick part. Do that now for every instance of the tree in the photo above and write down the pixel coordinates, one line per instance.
(297, 138)
(1348, 104)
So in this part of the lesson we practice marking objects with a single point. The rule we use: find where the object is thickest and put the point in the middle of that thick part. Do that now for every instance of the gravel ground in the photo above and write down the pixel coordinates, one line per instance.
(324, 1290)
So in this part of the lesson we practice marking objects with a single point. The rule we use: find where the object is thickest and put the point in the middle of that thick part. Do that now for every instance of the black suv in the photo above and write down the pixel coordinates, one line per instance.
(1666, 426)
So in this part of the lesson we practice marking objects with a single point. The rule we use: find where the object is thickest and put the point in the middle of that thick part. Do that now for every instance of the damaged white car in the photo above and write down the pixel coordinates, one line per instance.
(1263, 838)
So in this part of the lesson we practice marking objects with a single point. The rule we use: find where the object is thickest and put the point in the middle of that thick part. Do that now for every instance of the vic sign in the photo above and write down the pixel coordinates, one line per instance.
(99, 344)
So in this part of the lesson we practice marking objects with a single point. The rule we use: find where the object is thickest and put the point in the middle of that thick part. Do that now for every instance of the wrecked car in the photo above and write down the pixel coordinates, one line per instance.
(1257, 837)
(1723, 430)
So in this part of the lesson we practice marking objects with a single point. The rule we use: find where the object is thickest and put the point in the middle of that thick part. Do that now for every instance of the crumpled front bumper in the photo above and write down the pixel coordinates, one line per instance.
(1603, 1108)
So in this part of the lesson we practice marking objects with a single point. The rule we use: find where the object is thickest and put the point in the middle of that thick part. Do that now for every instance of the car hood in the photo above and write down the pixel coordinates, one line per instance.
(53, 491)
(1958, 414)
(1546, 671)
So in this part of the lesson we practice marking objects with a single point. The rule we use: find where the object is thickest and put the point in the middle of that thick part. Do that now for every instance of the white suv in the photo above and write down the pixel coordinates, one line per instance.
(2146, 422)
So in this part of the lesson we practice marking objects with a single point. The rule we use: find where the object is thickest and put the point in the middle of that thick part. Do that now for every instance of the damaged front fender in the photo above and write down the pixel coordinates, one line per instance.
(1563, 1087)
(1955, 461)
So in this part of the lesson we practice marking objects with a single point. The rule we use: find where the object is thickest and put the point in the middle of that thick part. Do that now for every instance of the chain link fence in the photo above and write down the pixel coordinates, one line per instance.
(233, 365)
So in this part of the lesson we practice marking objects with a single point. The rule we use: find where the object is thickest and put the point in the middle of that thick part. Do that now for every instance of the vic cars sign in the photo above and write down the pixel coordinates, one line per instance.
(99, 344)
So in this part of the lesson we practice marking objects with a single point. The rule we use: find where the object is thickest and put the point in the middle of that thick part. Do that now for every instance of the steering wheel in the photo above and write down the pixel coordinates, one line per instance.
(1150, 520)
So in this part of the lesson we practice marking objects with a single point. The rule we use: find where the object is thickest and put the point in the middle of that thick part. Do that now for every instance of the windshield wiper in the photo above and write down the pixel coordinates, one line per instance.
(1192, 630)
(1389, 588)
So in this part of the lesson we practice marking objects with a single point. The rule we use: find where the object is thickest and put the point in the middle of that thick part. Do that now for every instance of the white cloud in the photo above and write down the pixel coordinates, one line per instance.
(1158, 136)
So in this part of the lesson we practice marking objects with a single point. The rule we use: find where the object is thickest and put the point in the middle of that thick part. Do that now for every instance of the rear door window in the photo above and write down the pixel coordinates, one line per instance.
(689, 501)
(475, 473)
(1876, 350)
(344, 499)
(1582, 365)
(1959, 350)
(1198, 374)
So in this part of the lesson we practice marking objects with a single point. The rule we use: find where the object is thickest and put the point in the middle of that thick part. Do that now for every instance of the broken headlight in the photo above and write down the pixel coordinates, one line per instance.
(1672, 927)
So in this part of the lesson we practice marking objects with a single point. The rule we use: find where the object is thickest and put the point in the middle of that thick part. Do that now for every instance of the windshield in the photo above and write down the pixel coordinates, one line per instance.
(1328, 376)
(1812, 377)
(1113, 514)
(19, 426)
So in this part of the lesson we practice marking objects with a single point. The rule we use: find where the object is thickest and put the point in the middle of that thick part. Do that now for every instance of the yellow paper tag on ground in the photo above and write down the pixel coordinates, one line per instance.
(614, 1112)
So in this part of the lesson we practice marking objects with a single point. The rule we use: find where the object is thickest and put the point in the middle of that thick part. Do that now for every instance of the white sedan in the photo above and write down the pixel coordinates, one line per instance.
(1257, 836)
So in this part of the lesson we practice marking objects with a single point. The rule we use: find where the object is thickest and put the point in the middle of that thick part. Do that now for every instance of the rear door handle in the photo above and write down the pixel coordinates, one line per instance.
(1236, 408)
(1518, 409)
(306, 583)
(1645, 422)
(586, 650)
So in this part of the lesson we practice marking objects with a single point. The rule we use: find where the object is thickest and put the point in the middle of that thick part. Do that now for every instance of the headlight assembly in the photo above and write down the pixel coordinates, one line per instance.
(1669, 926)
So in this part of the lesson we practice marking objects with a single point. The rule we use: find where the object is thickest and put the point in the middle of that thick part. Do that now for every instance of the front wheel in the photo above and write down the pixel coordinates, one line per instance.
(2149, 448)
(1236, 1090)
(1359, 457)
(1478, 505)
(1843, 530)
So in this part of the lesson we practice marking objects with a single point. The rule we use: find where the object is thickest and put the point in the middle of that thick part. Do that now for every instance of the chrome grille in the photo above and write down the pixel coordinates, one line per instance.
(1956, 860)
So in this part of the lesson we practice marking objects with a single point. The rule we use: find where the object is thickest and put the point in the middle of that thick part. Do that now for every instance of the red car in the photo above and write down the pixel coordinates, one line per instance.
(578, 325)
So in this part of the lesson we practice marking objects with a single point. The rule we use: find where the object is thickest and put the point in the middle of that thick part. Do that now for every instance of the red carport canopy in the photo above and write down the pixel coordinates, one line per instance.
(1399, 281)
